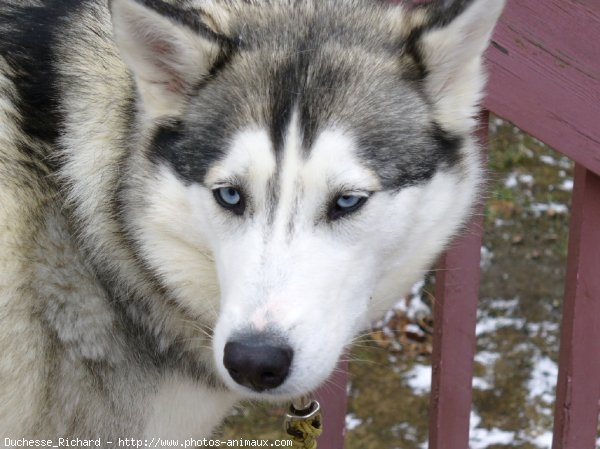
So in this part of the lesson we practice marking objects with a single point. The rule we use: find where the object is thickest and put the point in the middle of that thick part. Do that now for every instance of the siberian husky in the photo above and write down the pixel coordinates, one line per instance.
(205, 200)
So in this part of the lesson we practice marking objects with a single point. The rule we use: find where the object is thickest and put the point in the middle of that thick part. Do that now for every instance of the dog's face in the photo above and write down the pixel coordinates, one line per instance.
(300, 166)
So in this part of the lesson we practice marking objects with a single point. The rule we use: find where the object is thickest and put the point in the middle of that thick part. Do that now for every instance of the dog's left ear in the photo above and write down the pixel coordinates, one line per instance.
(449, 44)
(168, 50)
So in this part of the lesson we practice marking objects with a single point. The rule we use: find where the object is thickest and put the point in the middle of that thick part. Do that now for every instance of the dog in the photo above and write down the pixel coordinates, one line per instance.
(203, 201)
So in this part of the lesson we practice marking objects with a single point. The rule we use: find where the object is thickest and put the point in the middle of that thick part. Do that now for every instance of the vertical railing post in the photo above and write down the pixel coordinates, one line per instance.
(578, 388)
(334, 401)
(455, 316)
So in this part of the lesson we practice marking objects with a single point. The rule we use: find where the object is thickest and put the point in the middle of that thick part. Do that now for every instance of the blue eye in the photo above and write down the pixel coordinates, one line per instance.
(230, 195)
(345, 204)
(231, 199)
(348, 201)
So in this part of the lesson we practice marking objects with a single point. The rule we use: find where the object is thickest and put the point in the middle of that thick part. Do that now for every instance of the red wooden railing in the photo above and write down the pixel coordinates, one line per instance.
(544, 67)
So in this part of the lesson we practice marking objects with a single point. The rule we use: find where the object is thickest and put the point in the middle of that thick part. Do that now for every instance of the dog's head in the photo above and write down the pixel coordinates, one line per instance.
(298, 165)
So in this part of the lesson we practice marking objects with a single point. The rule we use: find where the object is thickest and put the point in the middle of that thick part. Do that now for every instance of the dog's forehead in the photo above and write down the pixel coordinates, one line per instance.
(326, 84)
(335, 152)
(250, 157)
(330, 163)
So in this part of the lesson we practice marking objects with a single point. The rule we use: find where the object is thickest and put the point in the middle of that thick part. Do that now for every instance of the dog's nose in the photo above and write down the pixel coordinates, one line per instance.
(257, 364)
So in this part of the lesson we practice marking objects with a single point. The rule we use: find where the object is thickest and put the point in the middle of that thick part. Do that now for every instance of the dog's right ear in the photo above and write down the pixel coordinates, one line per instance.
(167, 49)
(447, 39)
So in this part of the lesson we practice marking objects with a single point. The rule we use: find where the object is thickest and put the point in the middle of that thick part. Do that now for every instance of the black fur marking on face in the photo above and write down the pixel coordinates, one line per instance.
(189, 153)
(403, 158)
(448, 145)
(272, 198)
(326, 93)
(445, 11)
(165, 144)
(309, 84)
(287, 86)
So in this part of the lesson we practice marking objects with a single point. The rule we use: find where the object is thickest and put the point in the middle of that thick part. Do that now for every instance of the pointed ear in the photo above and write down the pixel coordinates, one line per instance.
(168, 51)
(450, 45)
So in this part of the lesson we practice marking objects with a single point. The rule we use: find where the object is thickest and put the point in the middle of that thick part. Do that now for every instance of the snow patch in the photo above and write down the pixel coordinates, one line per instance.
(352, 422)
(504, 304)
(526, 179)
(542, 382)
(483, 438)
(486, 258)
(414, 307)
(479, 383)
(419, 379)
(492, 324)
(554, 208)
(487, 358)
(548, 160)
(544, 441)
(511, 181)
(567, 185)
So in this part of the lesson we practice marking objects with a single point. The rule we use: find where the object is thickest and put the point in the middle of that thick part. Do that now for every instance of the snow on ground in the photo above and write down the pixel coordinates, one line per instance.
(543, 379)
(548, 160)
(567, 185)
(541, 384)
(487, 324)
(414, 307)
(486, 380)
(407, 430)
(497, 314)
(487, 358)
(543, 441)
(352, 421)
(561, 162)
(487, 257)
(483, 438)
(504, 304)
(479, 383)
(513, 180)
(526, 179)
(550, 208)
(419, 379)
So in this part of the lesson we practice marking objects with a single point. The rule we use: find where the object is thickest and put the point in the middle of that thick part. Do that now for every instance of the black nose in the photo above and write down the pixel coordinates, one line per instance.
(257, 364)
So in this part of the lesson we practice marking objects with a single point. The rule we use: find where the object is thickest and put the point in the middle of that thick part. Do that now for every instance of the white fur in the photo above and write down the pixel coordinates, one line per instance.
(250, 157)
(290, 282)
(183, 409)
